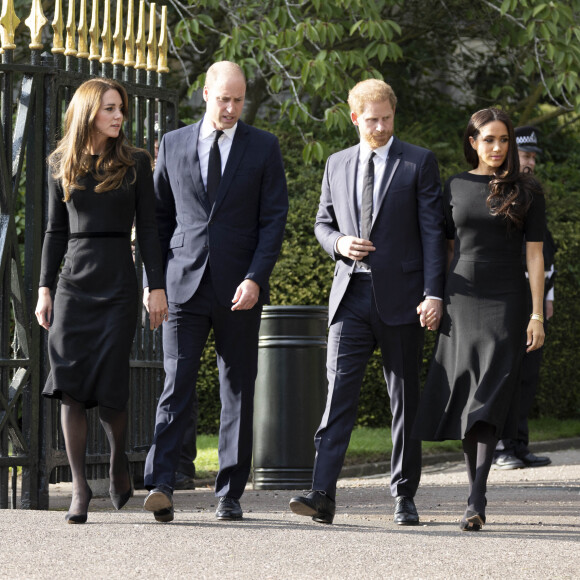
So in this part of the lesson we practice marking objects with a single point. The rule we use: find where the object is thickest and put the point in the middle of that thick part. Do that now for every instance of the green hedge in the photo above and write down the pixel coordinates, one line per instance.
(303, 273)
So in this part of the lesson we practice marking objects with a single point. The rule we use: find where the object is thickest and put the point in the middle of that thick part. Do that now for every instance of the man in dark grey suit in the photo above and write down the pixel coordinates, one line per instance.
(381, 218)
(221, 211)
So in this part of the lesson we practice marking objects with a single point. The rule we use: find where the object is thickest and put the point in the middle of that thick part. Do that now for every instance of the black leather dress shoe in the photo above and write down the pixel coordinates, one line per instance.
(183, 481)
(160, 502)
(315, 504)
(405, 511)
(531, 460)
(507, 461)
(229, 509)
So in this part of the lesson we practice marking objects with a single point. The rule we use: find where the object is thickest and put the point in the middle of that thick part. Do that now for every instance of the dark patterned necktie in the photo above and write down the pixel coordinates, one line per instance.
(366, 210)
(214, 168)
(366, 207)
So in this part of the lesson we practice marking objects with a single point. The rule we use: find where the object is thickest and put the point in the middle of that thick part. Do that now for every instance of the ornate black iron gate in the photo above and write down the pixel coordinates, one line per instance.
(33, 99)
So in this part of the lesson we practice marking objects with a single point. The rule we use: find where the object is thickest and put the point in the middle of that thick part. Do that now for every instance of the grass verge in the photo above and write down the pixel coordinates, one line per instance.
(369, 445)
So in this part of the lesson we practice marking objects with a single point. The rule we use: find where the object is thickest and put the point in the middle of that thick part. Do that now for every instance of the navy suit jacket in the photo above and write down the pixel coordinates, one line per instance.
(241, 235)
(407, 229)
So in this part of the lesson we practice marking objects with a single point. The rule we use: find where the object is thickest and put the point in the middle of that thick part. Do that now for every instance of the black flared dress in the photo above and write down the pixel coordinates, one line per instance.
(96, 302)
(474, 373)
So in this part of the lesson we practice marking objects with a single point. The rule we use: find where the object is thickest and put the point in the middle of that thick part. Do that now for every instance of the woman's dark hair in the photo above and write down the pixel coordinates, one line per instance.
(510, 191)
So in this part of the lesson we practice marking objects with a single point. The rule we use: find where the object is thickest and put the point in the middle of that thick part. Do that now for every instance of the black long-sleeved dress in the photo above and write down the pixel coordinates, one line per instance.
(96, 302)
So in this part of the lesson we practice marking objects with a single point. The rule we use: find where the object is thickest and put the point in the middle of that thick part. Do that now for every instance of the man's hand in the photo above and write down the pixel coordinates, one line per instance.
(354, 248)
(430, 312)
(549, 308)
(156, 304)
(246, 295)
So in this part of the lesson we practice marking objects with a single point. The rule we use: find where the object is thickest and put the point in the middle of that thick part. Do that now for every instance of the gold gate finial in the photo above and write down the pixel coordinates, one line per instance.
(162, 62)
(94, 32)
(152, 41)
(57, 27)
(106, 36)
(118, 36)
(130, 35)
(70, 30)
(9, 23)
(36, 22)
(82, 30)
(141, 62)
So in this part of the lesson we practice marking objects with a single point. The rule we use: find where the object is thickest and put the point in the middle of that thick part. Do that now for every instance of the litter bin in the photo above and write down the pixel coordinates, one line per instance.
(290, 395)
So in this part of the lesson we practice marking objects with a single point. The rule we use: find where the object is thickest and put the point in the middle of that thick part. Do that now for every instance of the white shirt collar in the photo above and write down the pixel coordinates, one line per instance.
(382, 152)
(207, 129)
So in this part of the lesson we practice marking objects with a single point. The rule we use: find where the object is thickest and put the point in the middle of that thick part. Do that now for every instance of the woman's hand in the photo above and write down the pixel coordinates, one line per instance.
(156, 303)
(43, 310)
(536, 335)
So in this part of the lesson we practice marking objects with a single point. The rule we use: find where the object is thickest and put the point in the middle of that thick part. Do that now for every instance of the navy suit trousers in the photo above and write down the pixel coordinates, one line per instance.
(355, 332)
(184, 337)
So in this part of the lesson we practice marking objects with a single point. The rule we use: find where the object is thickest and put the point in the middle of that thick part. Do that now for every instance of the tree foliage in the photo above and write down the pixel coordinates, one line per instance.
(302, 57)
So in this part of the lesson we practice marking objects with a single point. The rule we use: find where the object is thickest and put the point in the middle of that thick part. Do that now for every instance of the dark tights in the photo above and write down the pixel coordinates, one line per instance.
(75, 428)
(478, 448)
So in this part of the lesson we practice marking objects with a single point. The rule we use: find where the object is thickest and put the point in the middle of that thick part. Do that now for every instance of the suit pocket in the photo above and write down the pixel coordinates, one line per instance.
(412, 265)
(176, 241)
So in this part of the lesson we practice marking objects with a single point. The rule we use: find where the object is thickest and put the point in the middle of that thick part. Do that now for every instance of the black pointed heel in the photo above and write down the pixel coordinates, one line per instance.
(79, 518)
(120, 499)
(471, 521)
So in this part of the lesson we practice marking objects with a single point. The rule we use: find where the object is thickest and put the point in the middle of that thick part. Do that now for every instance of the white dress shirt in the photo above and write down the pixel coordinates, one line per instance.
(206, 137)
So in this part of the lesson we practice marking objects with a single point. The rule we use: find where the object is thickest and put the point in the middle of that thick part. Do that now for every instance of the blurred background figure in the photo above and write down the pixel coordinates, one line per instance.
(515, 453)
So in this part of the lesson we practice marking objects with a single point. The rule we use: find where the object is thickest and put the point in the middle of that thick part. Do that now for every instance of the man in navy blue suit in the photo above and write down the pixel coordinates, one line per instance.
(381, 219)
(221, 211)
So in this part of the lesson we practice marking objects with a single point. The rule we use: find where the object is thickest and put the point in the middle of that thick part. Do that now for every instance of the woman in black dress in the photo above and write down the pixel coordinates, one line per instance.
(473, 379)
(98, 187)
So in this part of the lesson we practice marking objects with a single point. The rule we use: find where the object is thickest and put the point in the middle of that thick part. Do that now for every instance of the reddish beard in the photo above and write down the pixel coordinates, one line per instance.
(377, 139)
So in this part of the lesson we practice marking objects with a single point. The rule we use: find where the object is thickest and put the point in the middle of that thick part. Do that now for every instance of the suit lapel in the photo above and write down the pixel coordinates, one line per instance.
(395, 155)
(198, 187)
(234, 158)
(350, 169)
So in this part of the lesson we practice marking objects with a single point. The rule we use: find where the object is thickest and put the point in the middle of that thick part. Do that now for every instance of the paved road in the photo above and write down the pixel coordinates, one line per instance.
(533, 531)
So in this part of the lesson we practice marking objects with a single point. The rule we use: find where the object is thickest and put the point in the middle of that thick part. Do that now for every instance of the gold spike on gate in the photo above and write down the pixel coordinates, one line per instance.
(8, 22)
(118, 36)
(35, 23)
(94, 33)
(82, 30)
(70, 45)
(106, 35)
(152, 40)
(141, 62)
(130, 35)
(57, 29)
(162, 62)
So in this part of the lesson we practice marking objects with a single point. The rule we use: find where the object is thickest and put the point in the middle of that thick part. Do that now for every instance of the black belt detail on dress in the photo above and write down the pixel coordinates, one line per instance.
(80, 235)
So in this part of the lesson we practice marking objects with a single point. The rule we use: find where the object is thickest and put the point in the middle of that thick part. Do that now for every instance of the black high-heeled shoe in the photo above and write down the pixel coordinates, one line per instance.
(79, 518)
(120, 499)
(471, 521)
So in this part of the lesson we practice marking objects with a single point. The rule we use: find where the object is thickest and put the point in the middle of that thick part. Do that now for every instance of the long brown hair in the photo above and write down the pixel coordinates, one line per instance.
(70, 161)
(510, 191)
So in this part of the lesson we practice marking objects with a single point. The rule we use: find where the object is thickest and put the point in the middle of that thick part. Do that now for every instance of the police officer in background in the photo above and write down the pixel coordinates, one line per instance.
(515, 453)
